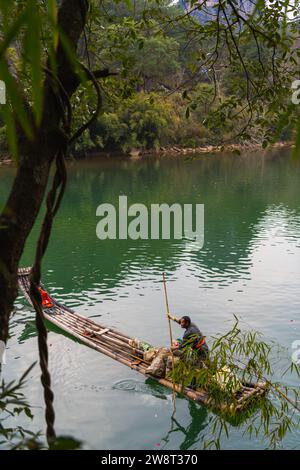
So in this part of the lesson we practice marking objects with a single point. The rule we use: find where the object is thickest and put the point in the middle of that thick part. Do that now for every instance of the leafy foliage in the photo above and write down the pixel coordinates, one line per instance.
(137, 123)
(247, 62)
(242, 357)
(12, 405)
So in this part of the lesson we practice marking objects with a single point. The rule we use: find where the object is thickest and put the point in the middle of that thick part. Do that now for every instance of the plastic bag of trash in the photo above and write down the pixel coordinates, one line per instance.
(157, 367)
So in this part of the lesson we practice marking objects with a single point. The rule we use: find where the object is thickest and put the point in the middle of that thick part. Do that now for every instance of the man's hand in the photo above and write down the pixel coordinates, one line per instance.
(177, 320)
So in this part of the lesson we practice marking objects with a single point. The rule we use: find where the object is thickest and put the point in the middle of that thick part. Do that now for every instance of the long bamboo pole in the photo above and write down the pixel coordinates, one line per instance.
(171, 338)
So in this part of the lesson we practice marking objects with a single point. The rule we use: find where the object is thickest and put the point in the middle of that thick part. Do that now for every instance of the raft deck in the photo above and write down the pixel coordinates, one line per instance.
(118, 346)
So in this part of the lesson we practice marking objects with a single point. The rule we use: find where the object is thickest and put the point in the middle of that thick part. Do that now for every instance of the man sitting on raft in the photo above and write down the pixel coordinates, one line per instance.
(192, 336)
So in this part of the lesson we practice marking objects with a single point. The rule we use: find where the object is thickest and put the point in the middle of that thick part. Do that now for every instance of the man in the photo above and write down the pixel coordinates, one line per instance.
(192, 336)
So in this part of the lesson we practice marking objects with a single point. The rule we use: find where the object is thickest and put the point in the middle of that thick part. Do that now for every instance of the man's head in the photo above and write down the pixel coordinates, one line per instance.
(185, 322)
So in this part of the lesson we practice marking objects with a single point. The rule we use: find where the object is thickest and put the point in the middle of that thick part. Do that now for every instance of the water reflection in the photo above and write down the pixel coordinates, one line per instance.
(190, 433)
(237, 194)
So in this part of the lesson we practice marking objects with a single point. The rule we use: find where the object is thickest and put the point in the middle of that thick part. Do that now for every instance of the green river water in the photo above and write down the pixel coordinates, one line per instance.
(249, 266)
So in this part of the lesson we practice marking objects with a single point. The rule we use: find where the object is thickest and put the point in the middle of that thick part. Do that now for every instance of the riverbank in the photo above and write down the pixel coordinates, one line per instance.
(174, 151)
(230, 148)
(178, 151)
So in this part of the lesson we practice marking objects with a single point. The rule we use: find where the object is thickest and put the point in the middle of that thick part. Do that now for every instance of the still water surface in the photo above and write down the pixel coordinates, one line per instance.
(249, 266)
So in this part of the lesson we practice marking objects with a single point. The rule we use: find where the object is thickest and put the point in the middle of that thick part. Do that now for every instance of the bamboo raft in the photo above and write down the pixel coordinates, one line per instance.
(117, 346)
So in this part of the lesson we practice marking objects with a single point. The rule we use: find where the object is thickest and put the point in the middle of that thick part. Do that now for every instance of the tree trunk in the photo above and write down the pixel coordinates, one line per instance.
(36, 157)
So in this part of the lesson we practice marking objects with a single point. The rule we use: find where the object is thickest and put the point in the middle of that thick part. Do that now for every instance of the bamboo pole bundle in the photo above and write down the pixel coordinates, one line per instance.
(101, 348)
(69, 327)
(24, 279)
(102, 337)
(87, 320)
(69, 324)
(82, 330)
(171, 336)
(97, 328)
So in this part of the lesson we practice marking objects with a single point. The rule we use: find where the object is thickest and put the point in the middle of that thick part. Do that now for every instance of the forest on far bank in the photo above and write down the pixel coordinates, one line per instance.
(170, 84)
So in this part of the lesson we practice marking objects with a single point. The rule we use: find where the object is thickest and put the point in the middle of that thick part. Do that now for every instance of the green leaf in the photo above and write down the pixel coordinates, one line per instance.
(52, 14)
(33, 53)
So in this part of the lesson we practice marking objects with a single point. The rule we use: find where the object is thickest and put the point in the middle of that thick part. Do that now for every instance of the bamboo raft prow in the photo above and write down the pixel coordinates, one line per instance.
(116, 345)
